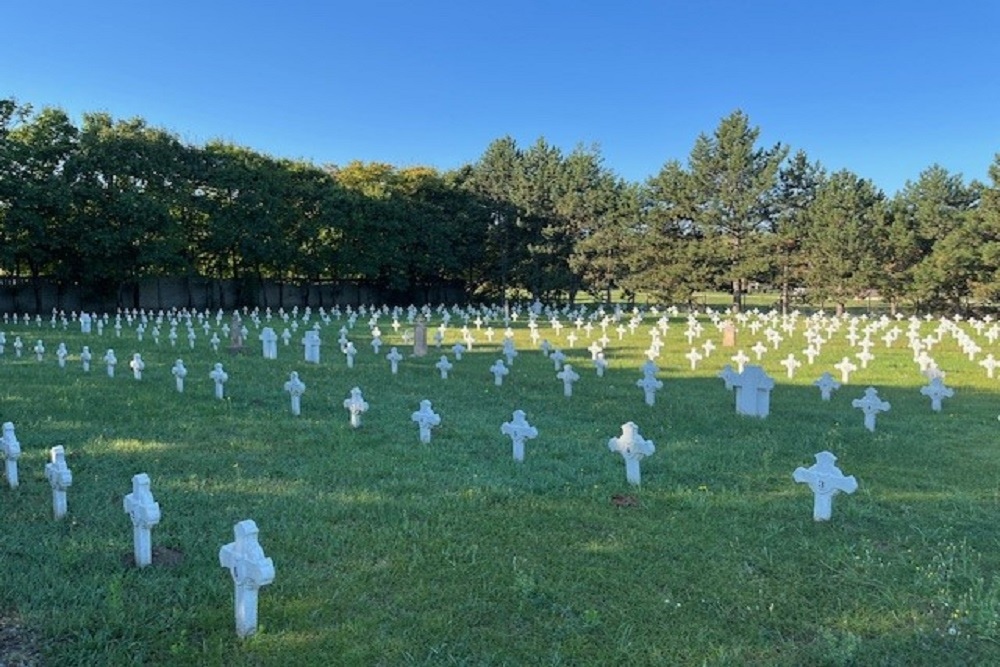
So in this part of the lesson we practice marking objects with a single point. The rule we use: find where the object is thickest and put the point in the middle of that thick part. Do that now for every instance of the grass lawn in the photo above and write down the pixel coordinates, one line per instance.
(392, 552)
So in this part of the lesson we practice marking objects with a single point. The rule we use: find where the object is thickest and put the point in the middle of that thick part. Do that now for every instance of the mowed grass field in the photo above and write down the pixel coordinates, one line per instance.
(392, 552)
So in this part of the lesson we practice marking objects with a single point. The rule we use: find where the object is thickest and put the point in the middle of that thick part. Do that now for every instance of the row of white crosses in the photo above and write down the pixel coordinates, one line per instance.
(244, 558)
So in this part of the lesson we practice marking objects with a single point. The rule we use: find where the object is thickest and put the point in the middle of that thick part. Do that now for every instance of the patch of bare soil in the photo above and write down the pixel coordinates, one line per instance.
(18, 645)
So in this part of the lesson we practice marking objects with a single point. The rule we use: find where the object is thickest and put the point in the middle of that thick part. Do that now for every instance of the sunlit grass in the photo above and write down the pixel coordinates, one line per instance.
(389, 551)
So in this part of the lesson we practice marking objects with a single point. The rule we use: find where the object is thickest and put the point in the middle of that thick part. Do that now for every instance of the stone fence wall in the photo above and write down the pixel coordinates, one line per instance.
(22, 295)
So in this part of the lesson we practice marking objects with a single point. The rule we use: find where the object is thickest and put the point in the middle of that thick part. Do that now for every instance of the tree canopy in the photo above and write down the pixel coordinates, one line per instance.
(111, 202)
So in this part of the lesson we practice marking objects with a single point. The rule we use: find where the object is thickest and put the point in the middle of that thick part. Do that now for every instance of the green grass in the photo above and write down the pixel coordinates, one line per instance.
(389, 552)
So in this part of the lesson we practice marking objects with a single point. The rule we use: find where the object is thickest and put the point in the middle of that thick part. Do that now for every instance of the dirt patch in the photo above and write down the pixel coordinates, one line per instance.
(162, 557)
(622, 500)
(18, 645)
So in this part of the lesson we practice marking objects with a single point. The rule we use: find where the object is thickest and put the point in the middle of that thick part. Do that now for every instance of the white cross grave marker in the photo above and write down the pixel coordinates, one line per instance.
(295, 388)
(394, 357)
(356, 405)
(60, 478)
(137, 365)
(425, 418)
(846, 368)
(519, 430)
(649, 385)
(179, 372)
(11, 453)
(250, 570)
(499, 371)
(220, 377)
(936, 391)
(825, 480)
(871, 405)
(826, 384)
(145, 513)
(633, 448)
(443, 366)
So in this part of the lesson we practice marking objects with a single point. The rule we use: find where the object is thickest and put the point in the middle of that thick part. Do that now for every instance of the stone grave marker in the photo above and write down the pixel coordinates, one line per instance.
(145, 513)
(518, 430)
(250, 570)
(443, 366)
(499, 370)
(179, 372)
(394, 357)
(61, 354)
(425, 418)
(846, 367)
(649, 385)
(753, 392)
(356, 406)
(871, 405)
(633, 448)
(311, 345)
(219, 377)
(11, 453)
(111, 361)
(60, 479)
(295, 388)
(601, 364)
(825, 480)
(85, 357)
(568, 377)
(269, 343)
(137, 365)
(420, 337)
(937, 391)
(826, 385)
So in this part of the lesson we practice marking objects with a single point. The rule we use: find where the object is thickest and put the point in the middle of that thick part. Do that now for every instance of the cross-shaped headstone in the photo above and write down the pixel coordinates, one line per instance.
(936, 391)
(871, 405)
(633, 448)
(499, 371)
(568, 377)
(179, 372)
(356, 406)
(518, 430)
(11, 453)
(741, 360)
(219, 377)
(825, 480)
(443, 366)
(694, 357)
(990, 364)
(759, 349)
(394, 357)
(425, 418)
(250, 570)
(791, 364)
(846, 367)
(826, 384)
(295, 388)
(145, 513)
(60, 478)
(649, 385)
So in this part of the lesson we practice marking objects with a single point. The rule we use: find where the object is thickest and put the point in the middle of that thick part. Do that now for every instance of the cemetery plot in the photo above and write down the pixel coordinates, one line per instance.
(389, 551)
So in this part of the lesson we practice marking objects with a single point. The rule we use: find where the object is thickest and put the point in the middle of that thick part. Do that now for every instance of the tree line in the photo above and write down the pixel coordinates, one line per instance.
(110, 202)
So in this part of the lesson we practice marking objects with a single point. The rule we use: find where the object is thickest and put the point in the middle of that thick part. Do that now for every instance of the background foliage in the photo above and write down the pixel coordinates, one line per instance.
(113, 201)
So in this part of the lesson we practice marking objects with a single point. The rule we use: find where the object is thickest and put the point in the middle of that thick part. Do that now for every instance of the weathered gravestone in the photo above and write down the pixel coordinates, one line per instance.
(295, 388)
(425, 418)
(753, 392)
(633, 448)
(145, 513)
(825, 480)
(60, 479)
(11, 453)
(871, 405)
(250, 570)
(518, 430)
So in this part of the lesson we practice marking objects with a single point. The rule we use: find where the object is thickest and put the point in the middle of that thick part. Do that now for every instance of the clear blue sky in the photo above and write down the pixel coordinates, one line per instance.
(884, 88)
